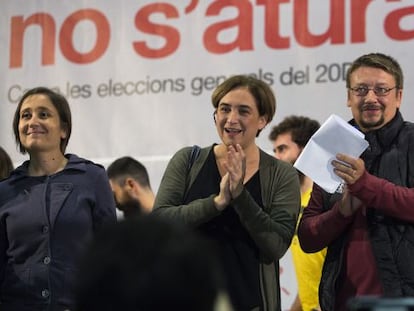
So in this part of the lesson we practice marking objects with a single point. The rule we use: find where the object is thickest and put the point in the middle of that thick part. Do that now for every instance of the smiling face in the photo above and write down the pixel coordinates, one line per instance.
(39, 125)
(237, 118)
(372, 111)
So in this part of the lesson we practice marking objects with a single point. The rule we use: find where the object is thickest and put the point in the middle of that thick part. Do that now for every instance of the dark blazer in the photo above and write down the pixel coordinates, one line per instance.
(45, 223)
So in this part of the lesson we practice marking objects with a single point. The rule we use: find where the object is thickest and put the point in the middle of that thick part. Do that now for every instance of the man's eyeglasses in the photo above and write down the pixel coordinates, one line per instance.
(378, 90)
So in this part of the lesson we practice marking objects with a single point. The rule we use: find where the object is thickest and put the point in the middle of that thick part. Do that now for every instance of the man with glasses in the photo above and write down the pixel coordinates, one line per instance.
(369, 228)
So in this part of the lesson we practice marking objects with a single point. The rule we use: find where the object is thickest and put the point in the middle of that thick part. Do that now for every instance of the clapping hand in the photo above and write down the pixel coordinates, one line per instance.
(348, 168)
(231, 184)
(236, 168)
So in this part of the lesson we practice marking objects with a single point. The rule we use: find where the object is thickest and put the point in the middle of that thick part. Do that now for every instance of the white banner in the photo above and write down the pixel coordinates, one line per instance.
(139, 74)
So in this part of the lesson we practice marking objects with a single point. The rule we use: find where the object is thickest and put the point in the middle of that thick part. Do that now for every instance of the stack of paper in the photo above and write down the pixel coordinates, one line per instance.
(334, 136)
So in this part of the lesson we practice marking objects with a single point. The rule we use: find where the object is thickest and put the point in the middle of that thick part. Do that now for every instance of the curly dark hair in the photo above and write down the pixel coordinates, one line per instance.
(301, 128)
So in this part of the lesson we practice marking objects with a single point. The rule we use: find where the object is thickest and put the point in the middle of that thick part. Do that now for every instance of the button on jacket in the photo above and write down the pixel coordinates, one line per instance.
(45, 223)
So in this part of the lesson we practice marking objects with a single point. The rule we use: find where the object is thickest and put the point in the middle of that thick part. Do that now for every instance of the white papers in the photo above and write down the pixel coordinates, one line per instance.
(334, 136)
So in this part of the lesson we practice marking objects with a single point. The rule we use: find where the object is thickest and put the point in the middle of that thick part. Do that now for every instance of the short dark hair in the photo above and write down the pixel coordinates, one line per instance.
(6, 165)
(261, 91)
(301, 128)
(62, 107)
(147, 263)
(377, 60)
(125, 167)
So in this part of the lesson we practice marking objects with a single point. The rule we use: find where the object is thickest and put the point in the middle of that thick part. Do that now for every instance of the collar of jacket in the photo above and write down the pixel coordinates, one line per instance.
(385, 135)
(74, 163)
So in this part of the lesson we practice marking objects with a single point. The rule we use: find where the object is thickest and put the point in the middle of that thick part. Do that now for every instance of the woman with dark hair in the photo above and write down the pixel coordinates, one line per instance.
(6, 165)
(49, 208)
(234, 193)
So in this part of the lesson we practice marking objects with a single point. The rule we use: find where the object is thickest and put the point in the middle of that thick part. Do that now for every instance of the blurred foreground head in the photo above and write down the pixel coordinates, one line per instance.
(148, 264)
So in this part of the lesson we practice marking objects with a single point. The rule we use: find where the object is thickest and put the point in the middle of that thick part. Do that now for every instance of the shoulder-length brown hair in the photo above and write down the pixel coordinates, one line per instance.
(62, 107)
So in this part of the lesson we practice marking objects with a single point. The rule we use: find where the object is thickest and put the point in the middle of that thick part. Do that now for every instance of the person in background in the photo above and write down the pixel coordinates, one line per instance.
(149, 264)
(289, 137)
(49, 208)
(368, 228)
(6, 164)
(131, 186)
(237, 195)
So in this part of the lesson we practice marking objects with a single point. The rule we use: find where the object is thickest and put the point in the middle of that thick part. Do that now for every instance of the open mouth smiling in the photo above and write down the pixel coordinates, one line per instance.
(232, 131)
(35, 133)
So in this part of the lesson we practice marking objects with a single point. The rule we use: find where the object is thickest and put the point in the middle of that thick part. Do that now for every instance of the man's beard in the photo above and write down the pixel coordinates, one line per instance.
(370, 125)
(131, 207)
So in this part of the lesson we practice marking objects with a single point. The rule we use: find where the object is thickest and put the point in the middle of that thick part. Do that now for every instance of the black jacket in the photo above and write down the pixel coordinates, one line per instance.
(390, 156)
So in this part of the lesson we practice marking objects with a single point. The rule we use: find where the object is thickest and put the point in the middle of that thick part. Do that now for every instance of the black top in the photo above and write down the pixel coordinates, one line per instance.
(238, 252)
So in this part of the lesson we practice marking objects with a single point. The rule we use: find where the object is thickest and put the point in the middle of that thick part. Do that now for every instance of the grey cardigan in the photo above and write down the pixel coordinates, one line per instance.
(272, 227)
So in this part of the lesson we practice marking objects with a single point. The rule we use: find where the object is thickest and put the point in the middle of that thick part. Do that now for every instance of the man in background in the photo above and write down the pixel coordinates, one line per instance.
(289, 138)
(131, 186)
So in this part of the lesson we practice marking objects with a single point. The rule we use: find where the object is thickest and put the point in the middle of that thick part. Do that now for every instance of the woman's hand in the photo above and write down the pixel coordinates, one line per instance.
(222, 200)
(236, 168)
